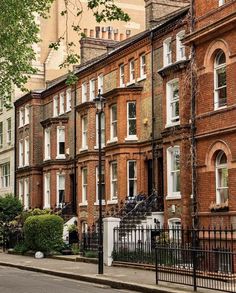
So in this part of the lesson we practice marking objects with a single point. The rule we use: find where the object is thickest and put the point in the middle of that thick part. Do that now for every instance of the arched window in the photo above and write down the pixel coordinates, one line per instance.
(221, 178)
(220, 99)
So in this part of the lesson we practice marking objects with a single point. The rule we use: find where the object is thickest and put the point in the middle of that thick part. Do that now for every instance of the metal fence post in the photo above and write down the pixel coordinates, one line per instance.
(156, 255)
(194, 252)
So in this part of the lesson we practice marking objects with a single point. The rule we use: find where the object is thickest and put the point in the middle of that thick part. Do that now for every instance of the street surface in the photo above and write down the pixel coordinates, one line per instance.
(19, 281)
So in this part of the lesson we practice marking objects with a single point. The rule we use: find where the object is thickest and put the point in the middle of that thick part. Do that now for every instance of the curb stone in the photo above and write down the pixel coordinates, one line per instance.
(97, 280)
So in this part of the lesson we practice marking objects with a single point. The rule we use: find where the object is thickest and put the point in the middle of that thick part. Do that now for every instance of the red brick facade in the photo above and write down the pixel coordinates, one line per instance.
(161, 94)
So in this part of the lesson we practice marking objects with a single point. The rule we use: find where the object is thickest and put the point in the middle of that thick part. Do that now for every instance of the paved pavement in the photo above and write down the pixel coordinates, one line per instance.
(116, 277)
(32, 282)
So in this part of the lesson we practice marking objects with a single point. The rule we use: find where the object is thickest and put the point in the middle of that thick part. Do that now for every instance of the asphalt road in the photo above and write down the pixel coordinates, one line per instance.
(19, 281)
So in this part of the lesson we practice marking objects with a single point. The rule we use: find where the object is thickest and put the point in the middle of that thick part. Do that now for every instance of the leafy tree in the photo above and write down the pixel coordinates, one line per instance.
(10, 207)
(19, 32)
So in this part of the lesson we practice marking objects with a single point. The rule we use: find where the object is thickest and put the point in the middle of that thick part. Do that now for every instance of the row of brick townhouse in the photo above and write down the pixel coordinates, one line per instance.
(152, 83)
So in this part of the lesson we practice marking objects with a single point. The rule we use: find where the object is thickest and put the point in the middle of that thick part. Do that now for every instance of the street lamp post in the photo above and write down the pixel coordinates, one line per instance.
(99, 101)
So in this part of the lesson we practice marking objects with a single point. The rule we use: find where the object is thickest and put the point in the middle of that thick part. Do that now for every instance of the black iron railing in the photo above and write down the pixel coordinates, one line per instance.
(135, 244)
(203, 258)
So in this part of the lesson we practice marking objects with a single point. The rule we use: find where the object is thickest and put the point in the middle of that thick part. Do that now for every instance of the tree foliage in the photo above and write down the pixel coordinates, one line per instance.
(10, 207)
(19, 32)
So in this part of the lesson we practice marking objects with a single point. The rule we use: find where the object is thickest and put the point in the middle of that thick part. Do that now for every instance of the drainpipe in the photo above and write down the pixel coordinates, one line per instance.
(193, 123)
(15, 151)
(74, 207)
(153, 116)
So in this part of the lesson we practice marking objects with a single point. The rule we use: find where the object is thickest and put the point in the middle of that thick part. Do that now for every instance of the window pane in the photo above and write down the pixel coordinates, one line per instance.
(114, 113)
(175, 109)
(114, 129)
(132, 188)
(223, 177)
(222, 96)
(132, 127)
(132, 110)
(114, 171)
(132, 169)
(176, 182)
(221, 77)
(176, 160)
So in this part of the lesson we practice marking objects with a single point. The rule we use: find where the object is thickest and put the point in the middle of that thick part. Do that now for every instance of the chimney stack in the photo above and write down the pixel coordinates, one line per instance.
(157, 9)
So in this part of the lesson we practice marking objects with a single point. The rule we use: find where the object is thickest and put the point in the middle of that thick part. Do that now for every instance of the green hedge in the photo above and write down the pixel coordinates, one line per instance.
(43, 233)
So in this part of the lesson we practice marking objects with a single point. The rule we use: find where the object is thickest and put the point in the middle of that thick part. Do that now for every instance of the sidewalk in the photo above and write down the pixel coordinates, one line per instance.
(116, 277)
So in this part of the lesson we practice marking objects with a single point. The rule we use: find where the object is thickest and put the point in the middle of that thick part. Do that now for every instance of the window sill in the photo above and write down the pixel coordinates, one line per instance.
(26, 124)
(47, 159)
(172, 124)
(173, 196)
(83, 204)
(130, 82)
(96, 147)
(61, 157)
(220, 108)
(131, 138)
(142, 78)
(181, 59)
(83, 149)
(97, 203)
(113, 201)
(61, 113)
(113, 140)
(122, 85)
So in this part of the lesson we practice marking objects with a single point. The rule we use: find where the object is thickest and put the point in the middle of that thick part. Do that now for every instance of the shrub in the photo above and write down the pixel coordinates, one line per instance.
(91, 254)
(75, 248)
(10, 207)
(20, 248)
(43, 233)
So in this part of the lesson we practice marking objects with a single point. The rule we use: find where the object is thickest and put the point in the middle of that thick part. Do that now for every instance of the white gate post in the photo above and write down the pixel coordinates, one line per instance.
(108, 238)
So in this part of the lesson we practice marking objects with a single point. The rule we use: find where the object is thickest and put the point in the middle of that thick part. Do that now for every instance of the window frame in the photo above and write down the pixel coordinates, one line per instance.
(55, 106)
(21, 117)
(217, 68)
(21, 153)
(167, 52)
(131, 179)
(84, 185)
(171, 172)
(92, 89)
(27, 114)
(68, 100)
(26, 151)
(62, 103)
(100, 83)
(221, 2)
(84, 133)
(47, 143)
(103, 130)
(103, 185)
(180, 48)
(128, 119)
(21, 190)
(61, 156)
(172, 120)
(113, 123)
(122, 75)
(143, 66)
(60, 204)
(26, 194)
(218, 167)
(131, 71)
(9, 131)
(5, 177)
(47, 191)
(84, 92)
(113, 181)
